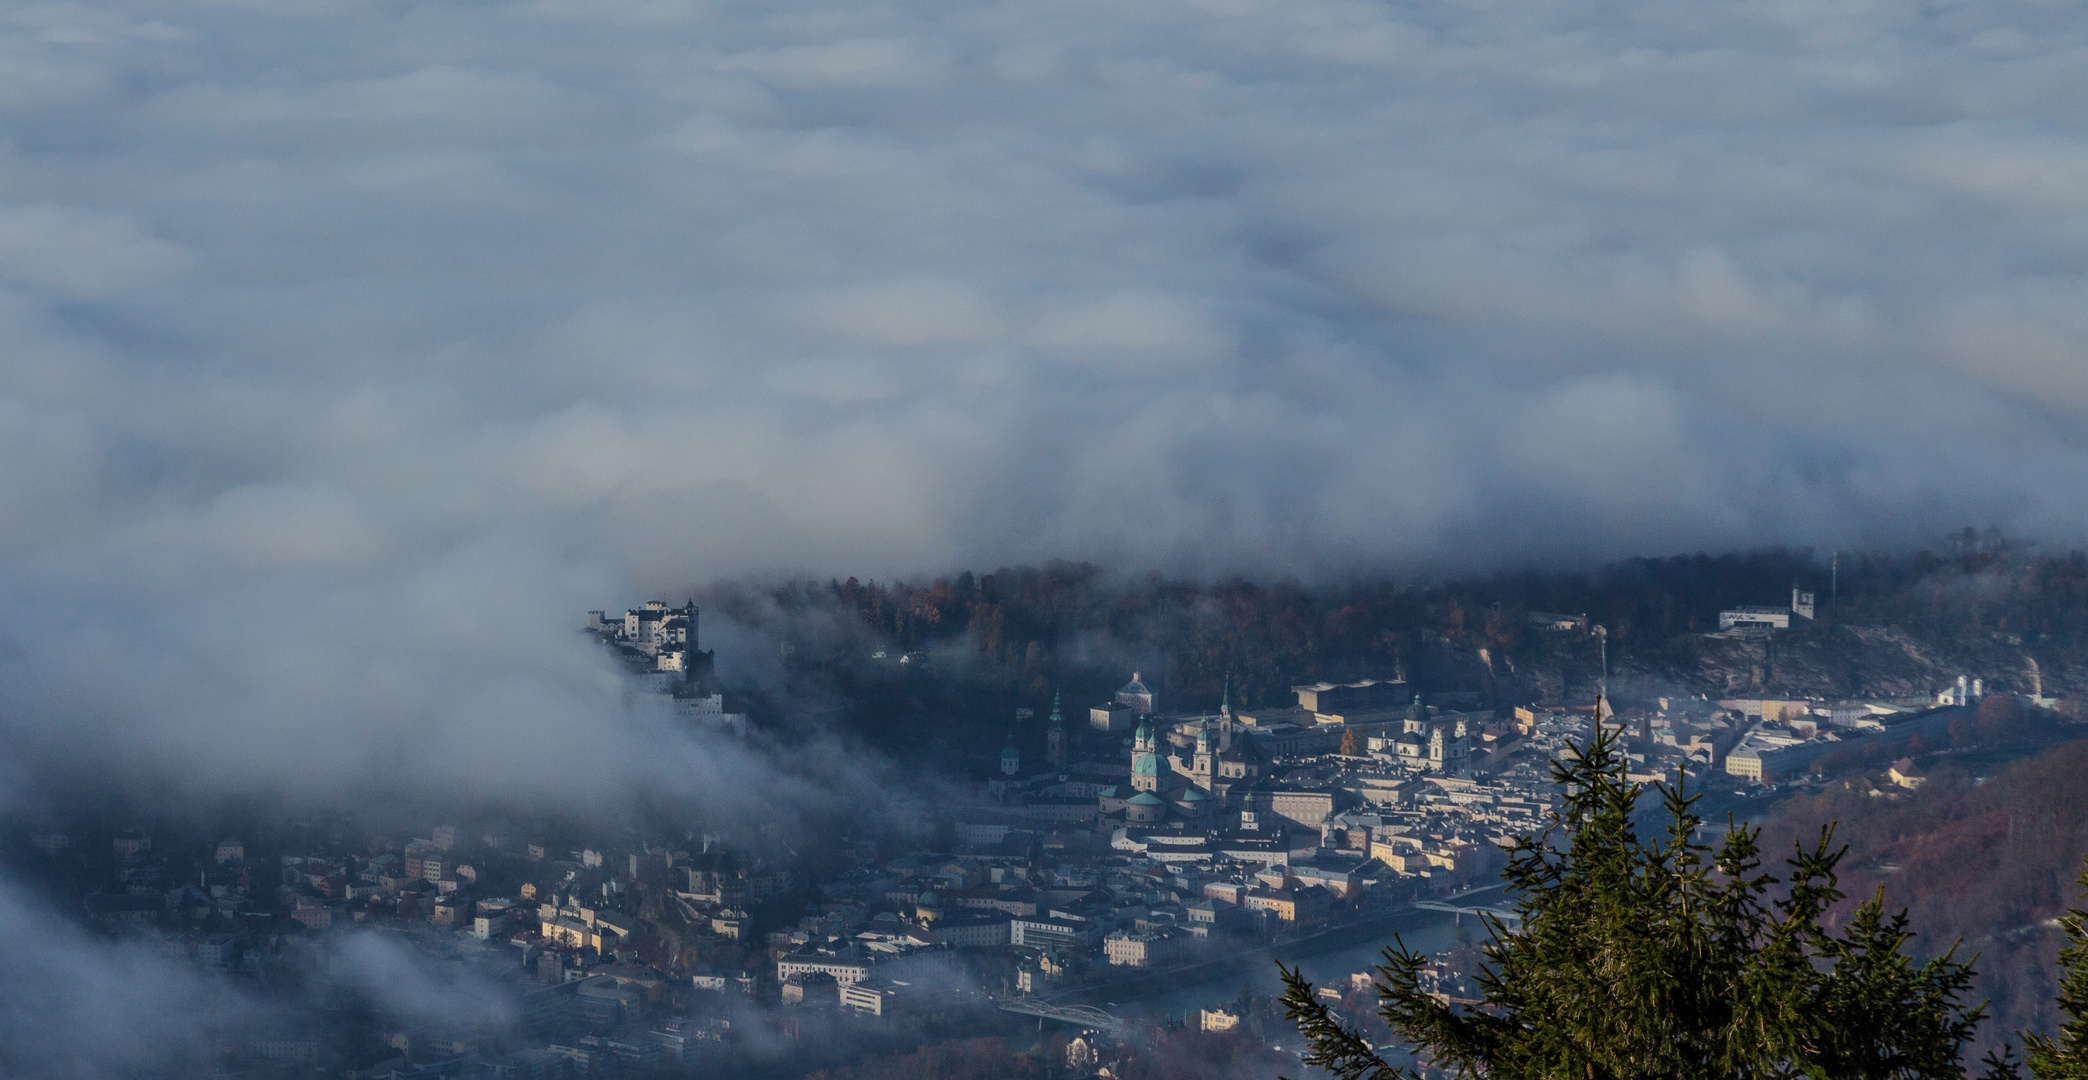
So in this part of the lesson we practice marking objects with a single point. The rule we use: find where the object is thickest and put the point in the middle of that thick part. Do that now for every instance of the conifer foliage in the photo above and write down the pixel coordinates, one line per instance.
(2065, 1056)
(1667, 959)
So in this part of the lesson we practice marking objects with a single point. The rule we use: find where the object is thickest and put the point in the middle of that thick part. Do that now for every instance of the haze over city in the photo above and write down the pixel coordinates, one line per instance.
(357, 350)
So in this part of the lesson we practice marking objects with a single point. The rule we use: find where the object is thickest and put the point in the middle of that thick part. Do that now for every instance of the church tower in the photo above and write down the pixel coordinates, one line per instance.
(1055, 736)
(1145, 761)
(1011, 758)
(1200, 766)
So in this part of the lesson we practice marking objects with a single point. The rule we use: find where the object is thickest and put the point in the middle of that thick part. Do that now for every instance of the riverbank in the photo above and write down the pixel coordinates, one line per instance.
(1255, 964)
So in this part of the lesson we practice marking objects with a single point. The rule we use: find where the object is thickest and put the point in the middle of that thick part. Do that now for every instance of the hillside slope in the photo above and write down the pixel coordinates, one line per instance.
(1990, 862)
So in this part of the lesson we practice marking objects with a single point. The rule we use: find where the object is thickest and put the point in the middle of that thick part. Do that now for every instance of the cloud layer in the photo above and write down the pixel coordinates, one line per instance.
(355, 346)
(718, 287)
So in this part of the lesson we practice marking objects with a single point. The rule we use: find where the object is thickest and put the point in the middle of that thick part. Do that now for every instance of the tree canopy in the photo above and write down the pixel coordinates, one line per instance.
(1668, 958)
(2064, 1055)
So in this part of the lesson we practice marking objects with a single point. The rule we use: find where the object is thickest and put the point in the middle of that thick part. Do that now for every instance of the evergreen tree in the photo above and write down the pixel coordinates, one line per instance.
(1670, 960)
(2065, 1056)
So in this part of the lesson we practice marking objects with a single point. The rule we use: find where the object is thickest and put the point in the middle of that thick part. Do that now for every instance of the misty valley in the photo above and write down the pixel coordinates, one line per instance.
(1041, 540)
(1060, 822)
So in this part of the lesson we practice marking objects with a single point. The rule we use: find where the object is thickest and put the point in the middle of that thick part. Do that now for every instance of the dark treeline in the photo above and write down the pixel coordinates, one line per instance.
(1036, 624)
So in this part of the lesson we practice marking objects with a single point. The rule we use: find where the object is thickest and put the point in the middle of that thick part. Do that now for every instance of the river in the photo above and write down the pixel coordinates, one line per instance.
(1324, 959)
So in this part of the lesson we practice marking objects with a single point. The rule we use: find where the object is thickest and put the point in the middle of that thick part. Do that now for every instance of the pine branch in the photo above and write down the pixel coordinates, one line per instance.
(1336, 1047)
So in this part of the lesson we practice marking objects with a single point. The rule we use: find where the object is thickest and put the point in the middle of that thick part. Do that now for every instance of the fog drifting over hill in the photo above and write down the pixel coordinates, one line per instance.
(346, 339)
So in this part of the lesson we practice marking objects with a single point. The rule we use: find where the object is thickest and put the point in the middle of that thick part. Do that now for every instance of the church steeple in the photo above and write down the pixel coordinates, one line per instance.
(1145, 761)
(1055, 735)
(1011, 758)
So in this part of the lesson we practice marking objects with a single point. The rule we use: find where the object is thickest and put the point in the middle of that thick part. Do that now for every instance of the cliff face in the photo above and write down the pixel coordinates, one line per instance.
(1825, 661)
(1852, 662)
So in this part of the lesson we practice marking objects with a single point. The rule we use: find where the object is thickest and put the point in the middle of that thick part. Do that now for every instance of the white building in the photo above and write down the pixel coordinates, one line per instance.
(492, 917)
(1755, 618)
(845, 971)
(1964, 693)
(710, 712)
(1046, 932)
(1132, 948)
(874, 999)
(1768, 618)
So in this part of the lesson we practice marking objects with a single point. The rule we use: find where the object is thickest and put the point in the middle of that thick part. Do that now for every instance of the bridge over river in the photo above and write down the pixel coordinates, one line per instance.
(1082, 1015)
(1507, 917)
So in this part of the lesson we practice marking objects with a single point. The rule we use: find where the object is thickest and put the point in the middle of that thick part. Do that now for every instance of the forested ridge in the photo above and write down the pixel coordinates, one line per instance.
(1034, 627)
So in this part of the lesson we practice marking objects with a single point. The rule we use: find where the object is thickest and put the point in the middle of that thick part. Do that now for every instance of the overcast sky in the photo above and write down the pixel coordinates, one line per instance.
(678, 289)
(353, 349)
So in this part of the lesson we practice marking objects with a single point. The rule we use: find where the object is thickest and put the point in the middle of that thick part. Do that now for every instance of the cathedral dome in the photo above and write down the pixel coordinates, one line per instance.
(1144, 798)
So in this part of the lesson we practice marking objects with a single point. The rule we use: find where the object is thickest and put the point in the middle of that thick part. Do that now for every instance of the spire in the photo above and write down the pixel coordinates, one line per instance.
(1055, 735)
(1225, 706)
